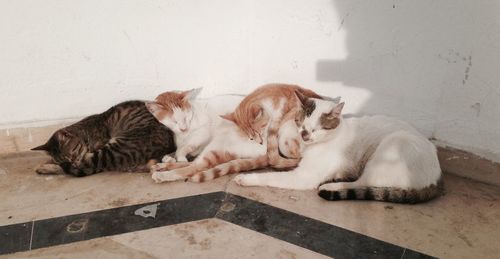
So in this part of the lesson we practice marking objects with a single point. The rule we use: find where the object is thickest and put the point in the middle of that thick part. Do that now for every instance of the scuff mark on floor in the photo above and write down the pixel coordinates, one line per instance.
(465, 239)
(147, 211)
(77, 226)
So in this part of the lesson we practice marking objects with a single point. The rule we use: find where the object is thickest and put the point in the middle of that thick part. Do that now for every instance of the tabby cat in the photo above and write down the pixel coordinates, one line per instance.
(126, 138)
(371, 157)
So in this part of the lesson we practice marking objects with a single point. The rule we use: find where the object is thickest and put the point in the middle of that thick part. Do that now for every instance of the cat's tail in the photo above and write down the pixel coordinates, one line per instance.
(276, 161)
(231, 167)
(389, 194)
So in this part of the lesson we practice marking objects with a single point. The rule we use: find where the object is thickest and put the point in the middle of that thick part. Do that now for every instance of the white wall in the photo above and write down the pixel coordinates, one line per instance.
(435, 64)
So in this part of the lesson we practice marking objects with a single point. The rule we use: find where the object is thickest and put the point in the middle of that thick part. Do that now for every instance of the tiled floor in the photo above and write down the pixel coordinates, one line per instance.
(464, 223)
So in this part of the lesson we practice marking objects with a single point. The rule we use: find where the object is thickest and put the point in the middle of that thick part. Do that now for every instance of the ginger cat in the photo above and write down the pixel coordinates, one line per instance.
(273, 107)
(193, 121)
(231, 150)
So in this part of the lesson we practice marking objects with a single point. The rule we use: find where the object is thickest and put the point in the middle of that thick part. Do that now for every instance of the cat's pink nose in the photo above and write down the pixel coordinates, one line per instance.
(183, 129)
(305, 135)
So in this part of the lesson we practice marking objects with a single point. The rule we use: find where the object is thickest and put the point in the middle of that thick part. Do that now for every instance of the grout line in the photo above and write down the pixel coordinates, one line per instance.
(226, 195)
(219, 210)
(32, 228)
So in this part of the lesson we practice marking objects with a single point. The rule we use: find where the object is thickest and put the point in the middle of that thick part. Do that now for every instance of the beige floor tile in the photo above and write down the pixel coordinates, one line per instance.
(27, 196)
(210, 238)
(464, 223)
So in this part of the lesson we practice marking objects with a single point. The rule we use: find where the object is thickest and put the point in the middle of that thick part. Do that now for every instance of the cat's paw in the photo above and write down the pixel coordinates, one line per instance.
(168, 159)
(332, 187)
(49, 169)
(160, 177)
(158, 167)
(246, 179)
(182, 159)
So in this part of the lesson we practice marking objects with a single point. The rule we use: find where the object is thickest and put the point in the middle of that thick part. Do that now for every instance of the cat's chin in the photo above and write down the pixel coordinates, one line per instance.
(309, 142)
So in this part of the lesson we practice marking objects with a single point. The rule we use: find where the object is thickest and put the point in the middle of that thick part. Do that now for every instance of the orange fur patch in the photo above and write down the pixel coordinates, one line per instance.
(245, 115)
(171, 100)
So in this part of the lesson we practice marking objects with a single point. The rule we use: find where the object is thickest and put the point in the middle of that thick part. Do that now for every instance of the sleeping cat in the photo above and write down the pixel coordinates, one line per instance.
(273, 107)
(231, 150)
(193, 121)
(125, 137)
(371, 157)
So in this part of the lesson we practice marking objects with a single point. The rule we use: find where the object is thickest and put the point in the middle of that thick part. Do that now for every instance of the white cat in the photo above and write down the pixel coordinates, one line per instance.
(371, 157)
(194, 121)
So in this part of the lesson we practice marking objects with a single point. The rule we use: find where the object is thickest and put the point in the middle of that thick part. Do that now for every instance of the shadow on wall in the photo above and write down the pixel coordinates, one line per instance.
(407, 54)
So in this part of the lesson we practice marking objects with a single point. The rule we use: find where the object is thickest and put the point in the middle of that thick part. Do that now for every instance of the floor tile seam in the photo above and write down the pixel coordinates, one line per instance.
(31, 234)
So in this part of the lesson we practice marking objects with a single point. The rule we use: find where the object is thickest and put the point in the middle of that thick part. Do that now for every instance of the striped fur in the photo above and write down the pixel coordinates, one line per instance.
(202, 163)
(230, 167)
(126, 137)
(272, 158)
(388, 194)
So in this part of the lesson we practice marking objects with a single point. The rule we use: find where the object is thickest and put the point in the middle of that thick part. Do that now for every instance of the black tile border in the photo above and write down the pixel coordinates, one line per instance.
(287, 226)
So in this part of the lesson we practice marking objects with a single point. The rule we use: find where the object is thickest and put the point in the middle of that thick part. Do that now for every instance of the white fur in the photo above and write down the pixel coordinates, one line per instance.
(403, 158)
(199, 124)
(226, 138)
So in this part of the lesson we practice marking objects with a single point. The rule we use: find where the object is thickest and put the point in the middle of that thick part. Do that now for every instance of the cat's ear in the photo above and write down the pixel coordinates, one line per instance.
(154, 107)
(229, 117)
(44, 147)
(335, 100)
(302, 98)
(258, 113)
(337, 110)
(191, 94)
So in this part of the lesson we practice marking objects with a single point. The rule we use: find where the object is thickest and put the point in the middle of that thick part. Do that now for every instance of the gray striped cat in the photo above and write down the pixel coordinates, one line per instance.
(126, 137)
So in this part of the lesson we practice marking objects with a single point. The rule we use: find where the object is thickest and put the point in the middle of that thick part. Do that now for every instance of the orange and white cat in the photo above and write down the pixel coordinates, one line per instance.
(235, 148)
(272, 109)
(193, 121)
(368, 158)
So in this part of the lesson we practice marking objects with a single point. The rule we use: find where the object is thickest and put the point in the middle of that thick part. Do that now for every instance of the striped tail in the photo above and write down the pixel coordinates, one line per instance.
(231, 167)
(388, 194)
(276, 161)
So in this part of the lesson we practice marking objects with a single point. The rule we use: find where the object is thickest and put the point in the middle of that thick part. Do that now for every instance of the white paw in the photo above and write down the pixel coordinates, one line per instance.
(182, 159)
(330, 187)
(168, 159)
(167, 176)
(246, 179)
(157, 167)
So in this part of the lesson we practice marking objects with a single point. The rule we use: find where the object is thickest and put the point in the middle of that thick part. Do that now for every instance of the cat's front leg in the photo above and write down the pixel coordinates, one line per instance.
(285, 180)
(49, 168)
(166, 176)
(159, 167)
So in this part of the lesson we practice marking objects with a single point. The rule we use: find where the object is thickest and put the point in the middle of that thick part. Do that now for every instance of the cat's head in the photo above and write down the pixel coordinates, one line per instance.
(318, 118)
(251, 122)
(64, 146)
(173, 109)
